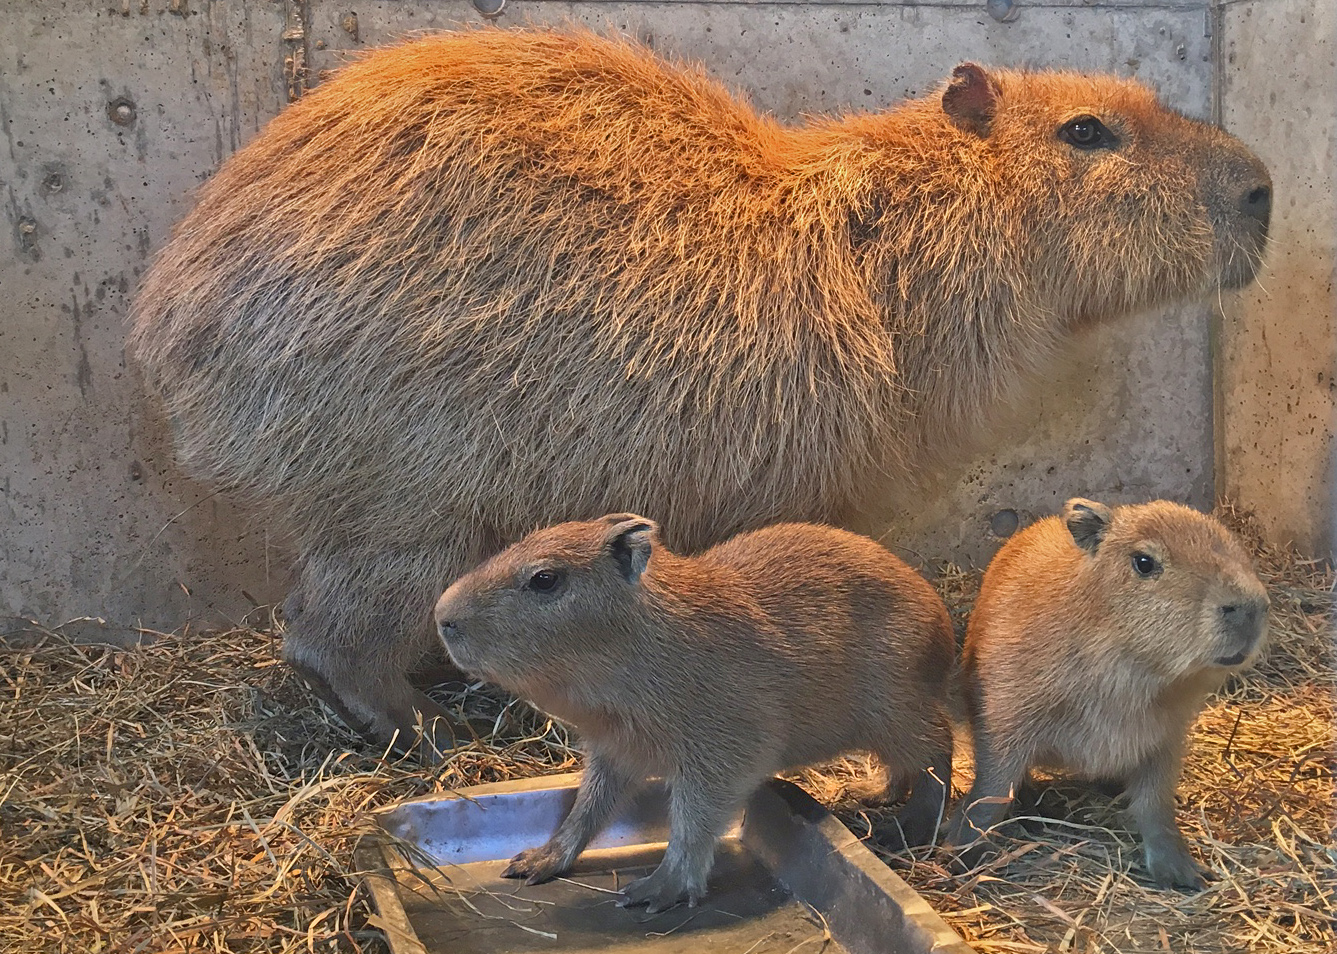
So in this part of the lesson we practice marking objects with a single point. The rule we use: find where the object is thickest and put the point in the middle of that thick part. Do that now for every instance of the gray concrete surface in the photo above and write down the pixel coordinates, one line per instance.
(90, 495)
(1275, 387)
(94, 518)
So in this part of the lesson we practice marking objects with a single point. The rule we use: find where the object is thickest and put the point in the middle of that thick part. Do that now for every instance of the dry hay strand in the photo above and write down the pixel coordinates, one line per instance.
(187, 795)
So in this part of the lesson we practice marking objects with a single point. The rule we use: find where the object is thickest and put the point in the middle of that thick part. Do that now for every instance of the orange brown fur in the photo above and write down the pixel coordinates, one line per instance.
(778, 648)
(1078, 660)
(489, 280)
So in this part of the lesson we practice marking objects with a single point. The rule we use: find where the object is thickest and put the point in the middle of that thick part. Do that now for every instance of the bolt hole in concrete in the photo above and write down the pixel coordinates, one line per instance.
(1004, 11)
(1004, 523)
(121, 111)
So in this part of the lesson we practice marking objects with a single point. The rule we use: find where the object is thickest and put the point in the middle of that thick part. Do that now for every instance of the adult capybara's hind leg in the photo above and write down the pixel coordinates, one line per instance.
(355, 640)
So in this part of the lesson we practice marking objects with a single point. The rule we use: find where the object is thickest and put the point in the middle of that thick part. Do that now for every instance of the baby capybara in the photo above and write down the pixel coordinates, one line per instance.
(1093, 645)
(453, 292)
(780, 647)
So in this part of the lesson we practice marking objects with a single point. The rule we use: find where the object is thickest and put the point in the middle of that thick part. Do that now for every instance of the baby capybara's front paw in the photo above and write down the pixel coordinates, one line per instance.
(661, 891)
(537, 865)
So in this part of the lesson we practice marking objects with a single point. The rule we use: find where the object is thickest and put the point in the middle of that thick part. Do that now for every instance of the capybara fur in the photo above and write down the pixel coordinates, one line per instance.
(777, 648)
(487, 281)
(1092, 647)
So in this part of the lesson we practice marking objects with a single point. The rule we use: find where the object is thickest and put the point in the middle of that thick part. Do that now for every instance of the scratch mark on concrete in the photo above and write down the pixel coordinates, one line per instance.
(14, 212)
(9, 133)
(234, 88)
(84, 374)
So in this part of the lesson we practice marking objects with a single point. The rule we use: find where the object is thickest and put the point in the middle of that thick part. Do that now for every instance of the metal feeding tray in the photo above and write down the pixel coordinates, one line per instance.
(787, 878)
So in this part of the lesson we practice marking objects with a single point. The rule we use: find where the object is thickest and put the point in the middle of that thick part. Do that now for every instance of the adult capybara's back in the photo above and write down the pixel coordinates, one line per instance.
(488, 280)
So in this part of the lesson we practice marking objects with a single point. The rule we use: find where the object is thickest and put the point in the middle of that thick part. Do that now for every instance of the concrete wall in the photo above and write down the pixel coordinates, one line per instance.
(111, 115)
(1276, 387)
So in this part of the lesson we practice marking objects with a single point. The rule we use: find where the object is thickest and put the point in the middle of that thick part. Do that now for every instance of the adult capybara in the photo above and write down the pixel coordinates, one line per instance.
(780, 647)
(1093, 644)
(487, 281)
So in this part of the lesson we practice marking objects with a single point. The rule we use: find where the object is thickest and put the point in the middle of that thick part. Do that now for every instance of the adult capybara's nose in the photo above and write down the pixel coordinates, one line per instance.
(1257, 203)
(1243, 194)
(1246, 181)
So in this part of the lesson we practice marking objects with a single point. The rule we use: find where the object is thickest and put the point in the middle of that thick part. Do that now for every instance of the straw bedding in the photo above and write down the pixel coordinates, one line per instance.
(188, 795)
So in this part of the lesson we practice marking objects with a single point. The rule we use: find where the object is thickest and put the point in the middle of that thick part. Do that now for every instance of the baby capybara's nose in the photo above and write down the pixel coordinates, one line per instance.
(1245, 618)
(444, 614)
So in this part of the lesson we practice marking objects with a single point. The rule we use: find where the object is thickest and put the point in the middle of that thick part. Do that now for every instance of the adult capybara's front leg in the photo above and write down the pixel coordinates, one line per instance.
(355, 644)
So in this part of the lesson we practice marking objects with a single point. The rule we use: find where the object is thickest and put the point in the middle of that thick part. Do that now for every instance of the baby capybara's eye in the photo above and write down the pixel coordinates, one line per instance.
(1087, 132)
(1144, 565)
(545, 581)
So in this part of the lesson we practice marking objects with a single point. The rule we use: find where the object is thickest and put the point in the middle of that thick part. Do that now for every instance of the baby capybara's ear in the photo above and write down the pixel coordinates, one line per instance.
(630, 542)
(1087, 521)
(971, 99)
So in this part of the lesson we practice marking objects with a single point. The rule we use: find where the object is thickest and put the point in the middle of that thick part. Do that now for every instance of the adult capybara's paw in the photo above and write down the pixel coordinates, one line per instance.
(537, 865)
(660, 891)
(1175, 868)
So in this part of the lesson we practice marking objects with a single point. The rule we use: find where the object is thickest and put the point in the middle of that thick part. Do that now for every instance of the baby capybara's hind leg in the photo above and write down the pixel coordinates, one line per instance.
(930, 787)
(355, 645)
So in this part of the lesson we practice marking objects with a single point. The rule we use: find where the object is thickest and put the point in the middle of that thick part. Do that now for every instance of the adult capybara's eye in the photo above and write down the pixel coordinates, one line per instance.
(545, 581)
(1087, 132)
(1144, 565)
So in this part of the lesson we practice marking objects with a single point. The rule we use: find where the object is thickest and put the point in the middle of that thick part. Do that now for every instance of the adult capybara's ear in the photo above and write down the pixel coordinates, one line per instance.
(971, 99)
(613, 519)
(1087, 522)
(630, 543)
